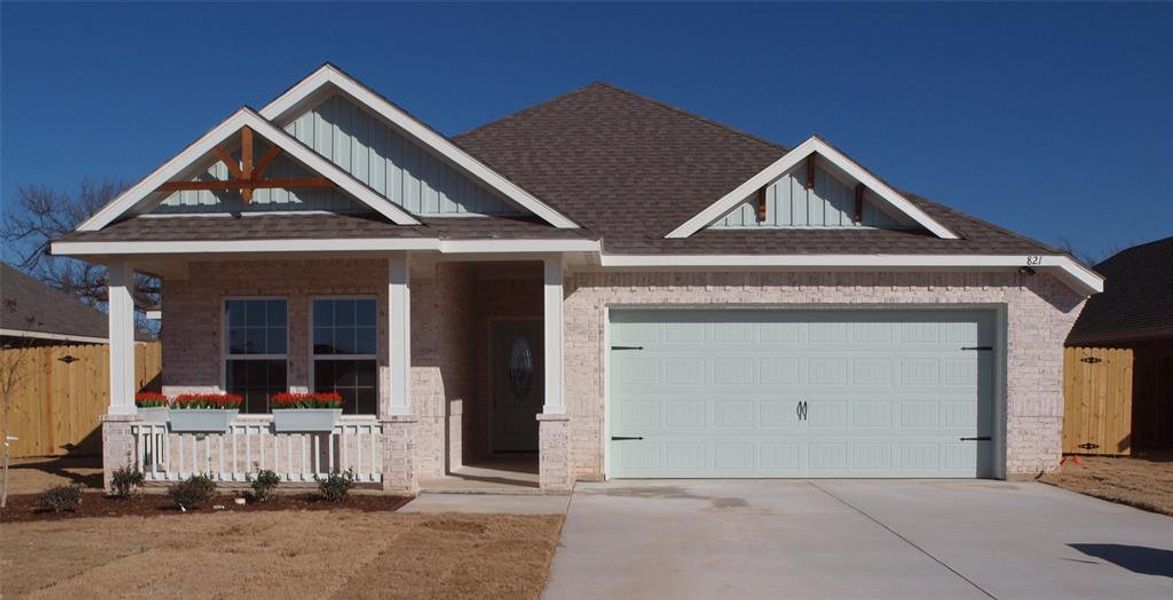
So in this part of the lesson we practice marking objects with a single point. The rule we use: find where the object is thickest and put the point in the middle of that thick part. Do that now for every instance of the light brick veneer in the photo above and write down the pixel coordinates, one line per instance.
(117, 444)
(1039, 314)
(398, 444)
(554, 452)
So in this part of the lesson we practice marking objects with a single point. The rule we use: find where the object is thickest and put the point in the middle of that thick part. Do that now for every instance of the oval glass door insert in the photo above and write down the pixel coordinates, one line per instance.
(521, 367)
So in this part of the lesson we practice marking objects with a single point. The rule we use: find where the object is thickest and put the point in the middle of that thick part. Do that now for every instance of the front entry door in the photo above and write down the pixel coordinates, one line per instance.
(518, 384)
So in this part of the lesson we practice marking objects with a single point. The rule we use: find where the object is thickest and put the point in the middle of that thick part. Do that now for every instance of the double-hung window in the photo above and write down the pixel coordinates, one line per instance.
(344, 352)
(255, 350)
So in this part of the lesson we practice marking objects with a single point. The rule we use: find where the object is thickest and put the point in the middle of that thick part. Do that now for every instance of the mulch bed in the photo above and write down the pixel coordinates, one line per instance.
(27, 507)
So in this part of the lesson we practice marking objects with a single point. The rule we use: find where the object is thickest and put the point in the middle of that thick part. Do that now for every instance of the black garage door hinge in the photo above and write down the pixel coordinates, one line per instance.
(617, 438)
(977, 348)
(627, 347)
(980, 438)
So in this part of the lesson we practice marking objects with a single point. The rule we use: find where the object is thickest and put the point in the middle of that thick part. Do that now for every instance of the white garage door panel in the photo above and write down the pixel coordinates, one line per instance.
(718, 393)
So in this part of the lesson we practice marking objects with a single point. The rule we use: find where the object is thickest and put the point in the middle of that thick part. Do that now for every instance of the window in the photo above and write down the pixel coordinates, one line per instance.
(345, 336)
(255, 361)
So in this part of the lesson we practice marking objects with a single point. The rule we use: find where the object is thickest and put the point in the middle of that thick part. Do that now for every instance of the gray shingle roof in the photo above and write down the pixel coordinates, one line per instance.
(627, 168)
(40, 308)
(321, 226)
(632, 169)
(1137, 300)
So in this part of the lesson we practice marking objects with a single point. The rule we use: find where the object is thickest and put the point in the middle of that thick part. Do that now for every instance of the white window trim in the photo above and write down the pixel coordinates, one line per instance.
(328, 75)
(812, 146)
(144, 192)
(313, 357)
(225, 356)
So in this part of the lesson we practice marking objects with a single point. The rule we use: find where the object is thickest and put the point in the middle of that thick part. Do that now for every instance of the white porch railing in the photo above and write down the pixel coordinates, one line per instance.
(249, 446)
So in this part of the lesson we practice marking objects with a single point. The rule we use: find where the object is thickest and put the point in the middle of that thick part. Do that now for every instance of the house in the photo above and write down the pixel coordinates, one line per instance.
(35, 314)
(1136, 312)
(623, 287)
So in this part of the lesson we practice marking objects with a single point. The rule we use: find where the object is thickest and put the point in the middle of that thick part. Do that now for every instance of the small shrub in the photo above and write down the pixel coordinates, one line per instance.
(193, 492)
(263, 484)
(126, 482)
(61, 498)
(336, 485)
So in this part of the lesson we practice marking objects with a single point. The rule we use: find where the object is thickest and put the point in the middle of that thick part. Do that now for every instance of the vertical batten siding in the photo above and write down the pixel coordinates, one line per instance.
(205, 201)
(380, 157)
(362, 145)
(831, 203)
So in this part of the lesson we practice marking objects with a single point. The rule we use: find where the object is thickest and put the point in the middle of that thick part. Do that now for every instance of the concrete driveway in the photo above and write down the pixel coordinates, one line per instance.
(856, 539)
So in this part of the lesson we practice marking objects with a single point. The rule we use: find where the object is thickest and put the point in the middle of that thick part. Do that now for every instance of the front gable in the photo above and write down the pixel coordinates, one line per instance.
(809, 196)
(408, 174)
(277, 199)
(428, 170)
(813, 206)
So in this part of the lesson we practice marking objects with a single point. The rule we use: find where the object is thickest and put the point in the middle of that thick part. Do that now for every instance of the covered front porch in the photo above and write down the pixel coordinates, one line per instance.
(450, 368)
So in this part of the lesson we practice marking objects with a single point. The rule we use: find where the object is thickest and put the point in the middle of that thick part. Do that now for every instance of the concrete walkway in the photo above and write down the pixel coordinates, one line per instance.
(856, 539)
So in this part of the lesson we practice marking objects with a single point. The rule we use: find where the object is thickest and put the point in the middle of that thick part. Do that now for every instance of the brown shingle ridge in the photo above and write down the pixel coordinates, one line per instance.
(594, 85)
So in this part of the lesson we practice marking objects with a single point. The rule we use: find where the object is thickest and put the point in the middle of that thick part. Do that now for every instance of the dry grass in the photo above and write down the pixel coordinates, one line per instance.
(1145, 483)
(35, 475)
(280, 555)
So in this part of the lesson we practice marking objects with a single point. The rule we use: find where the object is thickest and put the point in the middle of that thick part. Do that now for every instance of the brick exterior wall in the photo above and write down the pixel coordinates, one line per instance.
(193, 325)
(442, 371)
(1039, 312)
(453, 306)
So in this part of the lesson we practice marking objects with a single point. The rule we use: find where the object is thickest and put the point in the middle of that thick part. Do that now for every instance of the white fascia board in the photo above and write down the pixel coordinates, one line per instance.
(59, 337)
(67, 248)
(1077, 276)
(790, 160)
(281, 108)
(244, 117)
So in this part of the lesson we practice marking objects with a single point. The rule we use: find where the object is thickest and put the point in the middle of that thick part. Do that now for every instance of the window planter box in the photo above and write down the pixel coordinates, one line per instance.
(202, 419)
(154, 415)
(306, 419)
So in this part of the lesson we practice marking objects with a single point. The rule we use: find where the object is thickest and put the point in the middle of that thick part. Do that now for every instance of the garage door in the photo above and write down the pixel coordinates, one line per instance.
(790, 393)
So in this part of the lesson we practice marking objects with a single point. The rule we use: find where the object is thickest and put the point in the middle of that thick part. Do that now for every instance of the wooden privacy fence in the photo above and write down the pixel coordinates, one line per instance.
(62, 393)
(1097, 398)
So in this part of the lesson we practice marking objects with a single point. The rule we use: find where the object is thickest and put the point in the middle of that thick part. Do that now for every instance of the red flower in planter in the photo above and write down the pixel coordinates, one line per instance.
(150, 400)
(220, 401)
(305, 400)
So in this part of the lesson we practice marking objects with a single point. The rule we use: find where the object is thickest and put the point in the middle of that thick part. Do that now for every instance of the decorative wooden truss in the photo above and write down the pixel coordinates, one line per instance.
(246, 175)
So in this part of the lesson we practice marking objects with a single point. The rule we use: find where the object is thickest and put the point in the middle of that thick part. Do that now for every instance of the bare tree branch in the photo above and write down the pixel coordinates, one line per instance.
(40, 215)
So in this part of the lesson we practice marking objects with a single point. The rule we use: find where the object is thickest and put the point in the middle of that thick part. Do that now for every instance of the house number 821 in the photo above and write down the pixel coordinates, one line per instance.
(1033, 261)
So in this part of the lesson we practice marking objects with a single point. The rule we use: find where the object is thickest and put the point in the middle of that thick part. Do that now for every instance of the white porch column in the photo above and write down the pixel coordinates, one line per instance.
(554, 424)
(399, 336)
(117, 437)
(553, 291)
(121, 332)
(398, 419)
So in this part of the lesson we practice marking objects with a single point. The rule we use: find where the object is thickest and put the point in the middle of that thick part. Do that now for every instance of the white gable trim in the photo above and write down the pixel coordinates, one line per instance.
(291, 101)
(792, 159)
(1075, 275)
(135, 196)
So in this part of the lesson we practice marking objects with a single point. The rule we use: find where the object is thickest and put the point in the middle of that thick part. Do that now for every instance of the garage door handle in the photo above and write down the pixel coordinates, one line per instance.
(618, 438)
(980, 438)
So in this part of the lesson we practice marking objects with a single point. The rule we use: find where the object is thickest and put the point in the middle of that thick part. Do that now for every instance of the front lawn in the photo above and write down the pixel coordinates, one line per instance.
(1143, 482)
(281, 555)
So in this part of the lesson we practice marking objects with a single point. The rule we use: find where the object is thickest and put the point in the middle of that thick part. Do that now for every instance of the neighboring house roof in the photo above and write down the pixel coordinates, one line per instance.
(43, 312)
(1137, 301)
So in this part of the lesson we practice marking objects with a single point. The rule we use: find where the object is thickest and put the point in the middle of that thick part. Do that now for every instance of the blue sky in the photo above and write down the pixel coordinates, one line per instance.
(1051, 120)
